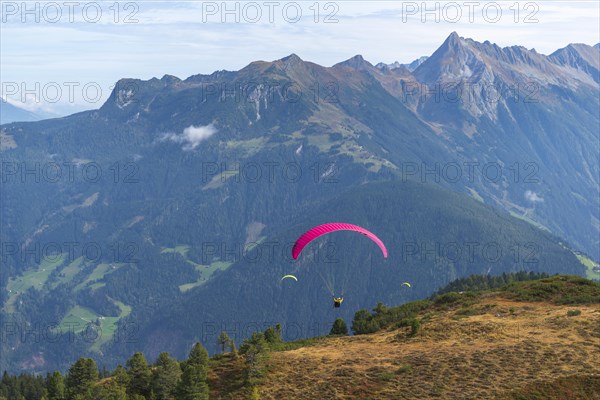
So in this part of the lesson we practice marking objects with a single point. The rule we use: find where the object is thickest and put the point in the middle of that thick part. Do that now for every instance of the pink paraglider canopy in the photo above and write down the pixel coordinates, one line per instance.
(320, 230)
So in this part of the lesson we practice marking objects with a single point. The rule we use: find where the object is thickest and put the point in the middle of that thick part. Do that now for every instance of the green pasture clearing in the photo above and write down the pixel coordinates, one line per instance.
(108, 325)
(97, 274)
(205, 272)
(181, 249)
(32, 278)
(589, 265)
(68, 272)
(76, 320)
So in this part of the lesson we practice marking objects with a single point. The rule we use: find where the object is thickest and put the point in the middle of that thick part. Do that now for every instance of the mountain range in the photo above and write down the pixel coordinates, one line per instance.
(150, 220)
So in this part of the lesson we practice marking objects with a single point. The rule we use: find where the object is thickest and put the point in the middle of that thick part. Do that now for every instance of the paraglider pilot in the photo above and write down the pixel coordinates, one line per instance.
(337, 301)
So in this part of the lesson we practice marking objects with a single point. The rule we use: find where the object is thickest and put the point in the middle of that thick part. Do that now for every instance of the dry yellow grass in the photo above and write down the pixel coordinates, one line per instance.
(512, 345)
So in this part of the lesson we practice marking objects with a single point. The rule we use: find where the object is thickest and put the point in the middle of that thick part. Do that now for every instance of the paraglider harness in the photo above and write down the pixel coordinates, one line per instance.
(337, 301)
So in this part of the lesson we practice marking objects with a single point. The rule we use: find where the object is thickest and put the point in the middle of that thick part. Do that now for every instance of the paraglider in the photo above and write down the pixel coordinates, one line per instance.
(320, 230)
(406, 283)
(323, 229)
(290, 277)
(337, 301)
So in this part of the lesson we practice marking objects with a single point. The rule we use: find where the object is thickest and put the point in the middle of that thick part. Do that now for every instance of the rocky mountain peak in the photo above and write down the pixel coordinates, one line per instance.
(357, 62)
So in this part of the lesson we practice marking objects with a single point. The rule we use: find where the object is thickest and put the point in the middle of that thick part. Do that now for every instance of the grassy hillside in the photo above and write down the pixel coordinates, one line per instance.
(517, 342)
(531, 339)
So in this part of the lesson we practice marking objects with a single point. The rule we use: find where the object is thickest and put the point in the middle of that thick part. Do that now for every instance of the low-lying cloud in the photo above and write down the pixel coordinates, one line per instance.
(533, 197)
(192, 136)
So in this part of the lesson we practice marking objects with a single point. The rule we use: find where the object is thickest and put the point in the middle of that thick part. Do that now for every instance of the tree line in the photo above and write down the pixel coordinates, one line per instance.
(166, 379)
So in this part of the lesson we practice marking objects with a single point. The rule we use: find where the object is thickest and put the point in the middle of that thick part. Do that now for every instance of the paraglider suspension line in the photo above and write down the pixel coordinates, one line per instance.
(327, 283)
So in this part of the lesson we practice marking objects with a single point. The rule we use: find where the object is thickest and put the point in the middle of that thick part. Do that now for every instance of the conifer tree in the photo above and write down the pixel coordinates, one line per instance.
(194, 378)
(55, 386)
(81, 378)
(339, 327)
(165, 377)
(139, 375)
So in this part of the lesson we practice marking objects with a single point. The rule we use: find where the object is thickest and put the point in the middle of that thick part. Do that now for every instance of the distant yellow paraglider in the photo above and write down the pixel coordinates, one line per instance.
(290, 277)
(406, 283)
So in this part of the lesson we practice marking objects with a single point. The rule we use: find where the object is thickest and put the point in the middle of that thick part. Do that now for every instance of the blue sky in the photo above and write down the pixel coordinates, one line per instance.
(54, 49)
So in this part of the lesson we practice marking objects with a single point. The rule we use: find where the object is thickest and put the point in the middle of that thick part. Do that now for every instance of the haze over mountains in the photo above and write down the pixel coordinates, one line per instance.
(11, 113)
(171, 181)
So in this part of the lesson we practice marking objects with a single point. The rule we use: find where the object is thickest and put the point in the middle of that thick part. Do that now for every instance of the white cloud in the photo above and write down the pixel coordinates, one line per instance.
(192, 136)
(533, 197)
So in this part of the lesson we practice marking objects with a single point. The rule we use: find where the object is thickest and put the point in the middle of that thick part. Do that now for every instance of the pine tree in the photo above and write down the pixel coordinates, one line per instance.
(165, 377)
(139, 375)
(273, 334)
(223, 340)
(193, 384)
(104, 373)
(8, 385)
(198, 355)
(120, 376)
(339, 327)
(233, 348)
(81, 378)
(363, 323)
(110, 390)
(55, 386)
(380, 309)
